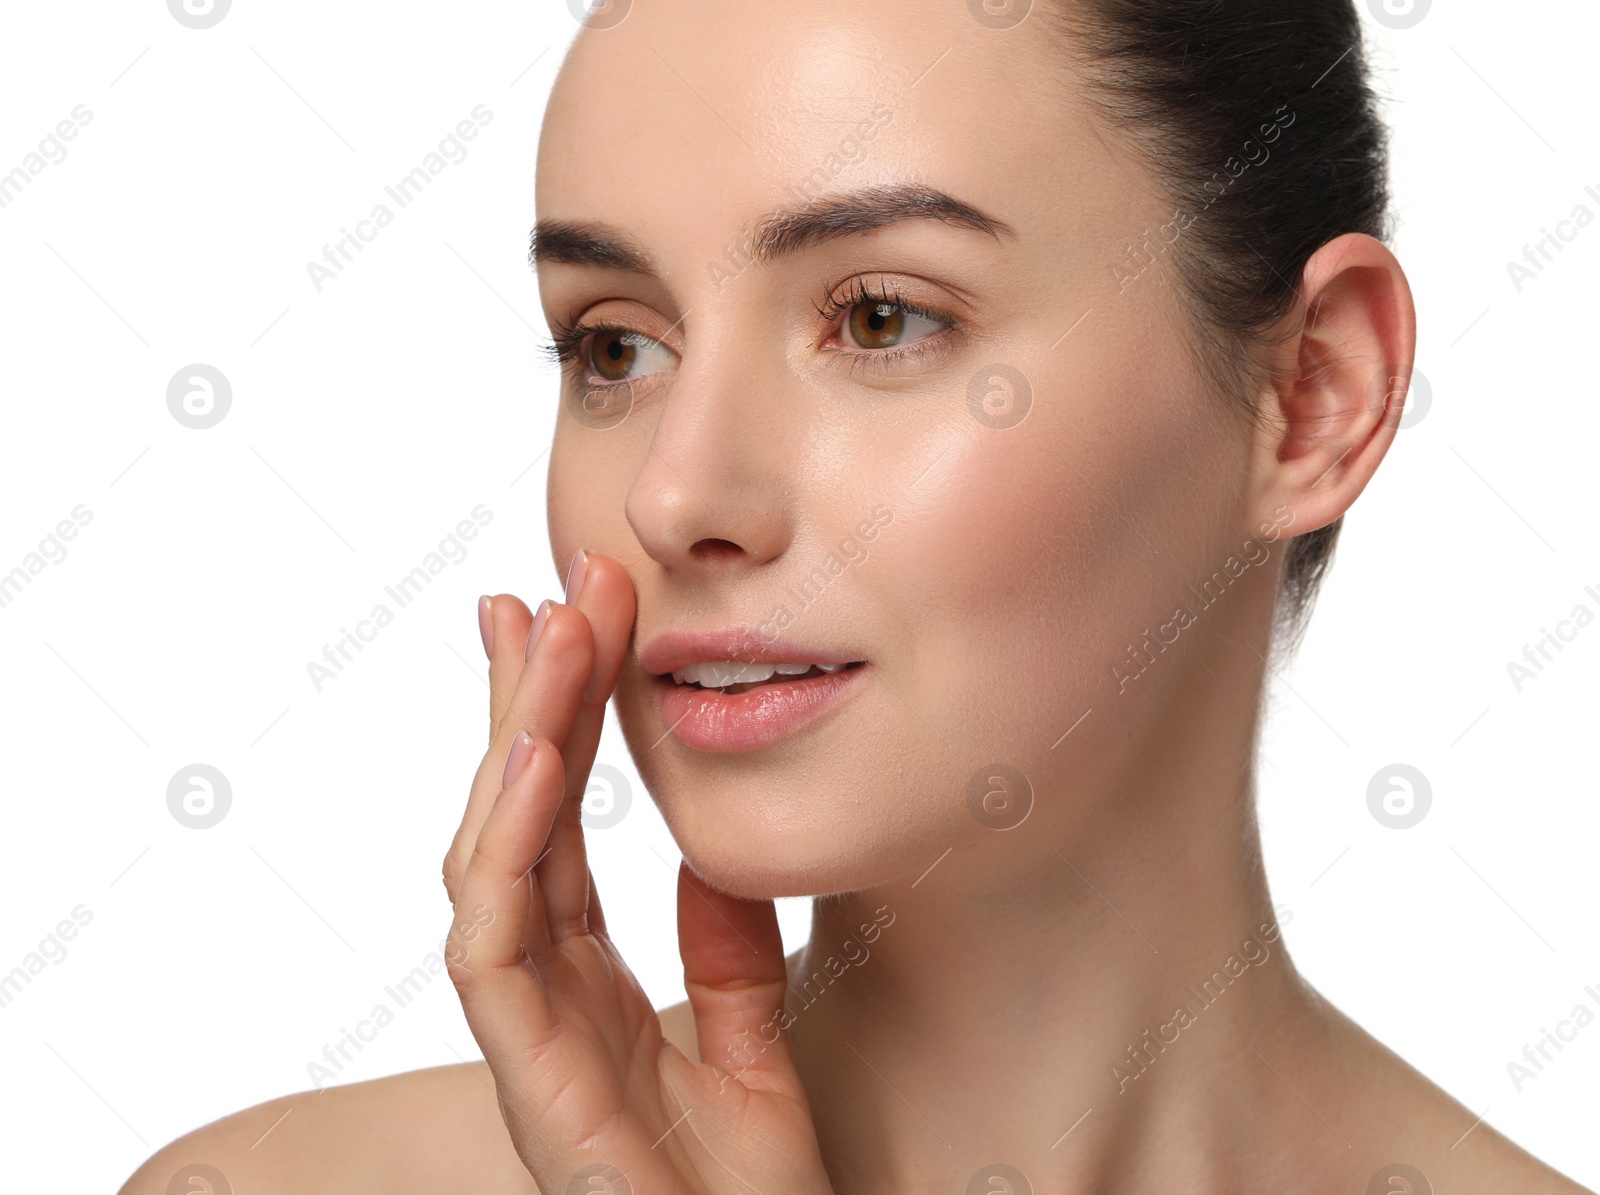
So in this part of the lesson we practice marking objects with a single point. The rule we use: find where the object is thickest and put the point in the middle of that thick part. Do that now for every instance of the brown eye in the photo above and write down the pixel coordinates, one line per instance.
(615, 355)
(612, 355)
(877, 325)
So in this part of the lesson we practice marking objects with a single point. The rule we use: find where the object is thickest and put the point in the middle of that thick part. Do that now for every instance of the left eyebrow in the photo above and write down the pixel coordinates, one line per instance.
(778, 234)
(784, 233)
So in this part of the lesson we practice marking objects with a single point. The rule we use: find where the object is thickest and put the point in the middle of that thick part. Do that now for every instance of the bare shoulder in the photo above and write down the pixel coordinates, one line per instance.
(1429, 1139)
(423, 1131)
(430, 1130)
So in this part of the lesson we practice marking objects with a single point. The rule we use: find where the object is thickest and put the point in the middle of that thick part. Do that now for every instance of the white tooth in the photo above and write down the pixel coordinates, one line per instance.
(719, 674)
(722, 673)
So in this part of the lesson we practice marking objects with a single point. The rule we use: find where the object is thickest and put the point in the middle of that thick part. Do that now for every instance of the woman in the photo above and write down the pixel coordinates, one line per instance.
(960, 405)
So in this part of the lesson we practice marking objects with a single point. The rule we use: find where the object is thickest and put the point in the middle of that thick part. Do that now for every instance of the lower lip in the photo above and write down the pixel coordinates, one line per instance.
(710, 720)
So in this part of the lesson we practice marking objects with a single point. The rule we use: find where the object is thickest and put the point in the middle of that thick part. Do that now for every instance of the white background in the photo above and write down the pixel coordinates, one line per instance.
(369, 418)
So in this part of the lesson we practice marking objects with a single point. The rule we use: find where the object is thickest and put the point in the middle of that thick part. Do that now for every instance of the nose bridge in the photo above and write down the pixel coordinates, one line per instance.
(714, 484)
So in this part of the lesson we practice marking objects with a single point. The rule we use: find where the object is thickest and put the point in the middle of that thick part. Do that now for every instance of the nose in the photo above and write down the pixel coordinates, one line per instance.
(715, 491)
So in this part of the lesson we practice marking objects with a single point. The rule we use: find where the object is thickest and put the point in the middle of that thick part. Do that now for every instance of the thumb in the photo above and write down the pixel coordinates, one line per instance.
(735, 977)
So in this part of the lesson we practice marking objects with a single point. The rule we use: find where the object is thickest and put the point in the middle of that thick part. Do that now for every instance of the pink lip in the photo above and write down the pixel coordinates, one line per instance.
(667, 653)
(709, 720)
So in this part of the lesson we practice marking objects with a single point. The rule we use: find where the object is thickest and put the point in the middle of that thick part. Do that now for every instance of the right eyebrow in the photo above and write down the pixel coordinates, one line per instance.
(588, 245)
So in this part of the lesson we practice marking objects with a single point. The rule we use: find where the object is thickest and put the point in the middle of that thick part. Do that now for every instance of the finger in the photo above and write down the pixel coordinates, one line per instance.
(544, 703)
(509, 623)
(602, 592)
(604, 595)
(735, 977)
(500, 918)
(553, 1093)
(596, 915)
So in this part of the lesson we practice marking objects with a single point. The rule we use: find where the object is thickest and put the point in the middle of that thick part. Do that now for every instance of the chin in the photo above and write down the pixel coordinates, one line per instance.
(754, 851)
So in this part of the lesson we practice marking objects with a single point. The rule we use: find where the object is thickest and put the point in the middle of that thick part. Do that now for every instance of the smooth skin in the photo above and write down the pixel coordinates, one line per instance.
(1020, 966)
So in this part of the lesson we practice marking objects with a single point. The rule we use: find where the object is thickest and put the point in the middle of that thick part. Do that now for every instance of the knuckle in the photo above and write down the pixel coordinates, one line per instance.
(481, 860)
(461, 975)
(458, 963)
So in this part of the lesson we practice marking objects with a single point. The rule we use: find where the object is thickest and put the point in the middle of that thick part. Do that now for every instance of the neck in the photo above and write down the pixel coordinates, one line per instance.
(1103, 1013)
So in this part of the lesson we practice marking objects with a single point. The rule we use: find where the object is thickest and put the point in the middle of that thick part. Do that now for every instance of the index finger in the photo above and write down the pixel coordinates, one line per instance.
(506, 623)
(603, 592)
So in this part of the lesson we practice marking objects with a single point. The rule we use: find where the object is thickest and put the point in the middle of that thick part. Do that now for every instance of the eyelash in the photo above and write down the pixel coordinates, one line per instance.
(567, 340)
(835, 305)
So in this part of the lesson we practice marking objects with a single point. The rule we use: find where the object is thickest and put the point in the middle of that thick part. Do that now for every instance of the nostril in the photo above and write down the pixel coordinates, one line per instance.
(715, 549)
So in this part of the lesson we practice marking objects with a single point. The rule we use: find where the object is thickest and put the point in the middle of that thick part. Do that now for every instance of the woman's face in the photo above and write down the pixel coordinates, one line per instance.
(947, 429)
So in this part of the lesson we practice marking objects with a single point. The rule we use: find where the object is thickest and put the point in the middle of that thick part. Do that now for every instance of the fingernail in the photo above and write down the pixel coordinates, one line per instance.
(486, 624)
(517, 758)
(536, 629)
(576, 572)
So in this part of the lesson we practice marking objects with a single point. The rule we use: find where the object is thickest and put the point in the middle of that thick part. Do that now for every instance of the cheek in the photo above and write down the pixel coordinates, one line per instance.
(1018, 564)
(585, 496)
(1031, 557)
(565, 512)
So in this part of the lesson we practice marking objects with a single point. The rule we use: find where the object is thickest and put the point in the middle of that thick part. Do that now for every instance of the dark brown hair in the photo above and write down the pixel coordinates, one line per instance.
(1196, 83)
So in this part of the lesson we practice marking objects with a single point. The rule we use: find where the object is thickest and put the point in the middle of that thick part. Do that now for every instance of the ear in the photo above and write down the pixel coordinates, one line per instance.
(1344, 366)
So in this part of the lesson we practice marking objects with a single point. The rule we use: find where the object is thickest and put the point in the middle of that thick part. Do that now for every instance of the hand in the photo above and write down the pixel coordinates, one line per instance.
(590, 1091)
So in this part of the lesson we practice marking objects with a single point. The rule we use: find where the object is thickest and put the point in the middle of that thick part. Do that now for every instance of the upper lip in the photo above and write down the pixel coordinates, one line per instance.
(678, 649)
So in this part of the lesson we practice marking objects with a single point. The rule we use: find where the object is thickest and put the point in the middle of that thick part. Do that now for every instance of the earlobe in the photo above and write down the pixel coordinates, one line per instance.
(1343, 370)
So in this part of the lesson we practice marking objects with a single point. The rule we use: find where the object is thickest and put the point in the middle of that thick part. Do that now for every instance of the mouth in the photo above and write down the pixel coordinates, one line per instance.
(726, 705)
(731, 678)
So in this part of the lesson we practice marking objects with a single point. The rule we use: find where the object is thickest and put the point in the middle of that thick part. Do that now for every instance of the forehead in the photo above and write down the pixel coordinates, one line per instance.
(691, 118)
